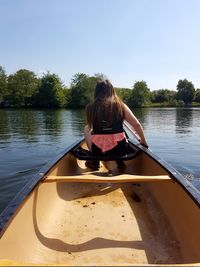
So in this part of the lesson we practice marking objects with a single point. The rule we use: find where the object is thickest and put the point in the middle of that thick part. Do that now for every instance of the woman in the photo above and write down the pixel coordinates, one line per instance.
(105, 116)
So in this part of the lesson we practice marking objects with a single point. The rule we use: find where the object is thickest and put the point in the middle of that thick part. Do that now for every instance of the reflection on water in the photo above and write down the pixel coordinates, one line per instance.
(4, 127)
(141, 113)
(30, 138)
(78, 121)
(184, 120)
(52, 120)
(23, 124)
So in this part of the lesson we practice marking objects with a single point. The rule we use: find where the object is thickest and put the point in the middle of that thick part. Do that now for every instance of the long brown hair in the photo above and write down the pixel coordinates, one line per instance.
(106, 104)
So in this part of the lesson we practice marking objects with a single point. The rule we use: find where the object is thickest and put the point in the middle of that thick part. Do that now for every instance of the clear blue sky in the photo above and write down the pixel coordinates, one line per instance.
(153, 40)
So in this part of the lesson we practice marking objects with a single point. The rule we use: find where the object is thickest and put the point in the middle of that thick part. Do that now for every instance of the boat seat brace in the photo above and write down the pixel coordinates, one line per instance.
(84, 154)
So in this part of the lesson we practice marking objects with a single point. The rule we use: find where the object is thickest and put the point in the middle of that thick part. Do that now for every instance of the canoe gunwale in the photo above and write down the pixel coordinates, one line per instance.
(188, 187)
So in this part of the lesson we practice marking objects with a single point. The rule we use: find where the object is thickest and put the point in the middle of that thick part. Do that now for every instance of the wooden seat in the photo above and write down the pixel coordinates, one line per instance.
(92, 178)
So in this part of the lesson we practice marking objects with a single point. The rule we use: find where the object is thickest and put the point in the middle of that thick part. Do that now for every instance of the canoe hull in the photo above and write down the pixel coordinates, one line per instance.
(140, 222)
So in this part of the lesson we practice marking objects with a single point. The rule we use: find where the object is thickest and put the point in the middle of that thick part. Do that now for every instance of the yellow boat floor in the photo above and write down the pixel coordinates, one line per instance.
(94, 224)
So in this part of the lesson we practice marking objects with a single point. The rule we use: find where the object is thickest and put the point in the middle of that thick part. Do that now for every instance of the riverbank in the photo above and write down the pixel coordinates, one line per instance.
(166, 104)
(149, 105)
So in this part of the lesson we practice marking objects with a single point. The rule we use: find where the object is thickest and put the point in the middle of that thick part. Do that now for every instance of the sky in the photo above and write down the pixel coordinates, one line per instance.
(157, 41)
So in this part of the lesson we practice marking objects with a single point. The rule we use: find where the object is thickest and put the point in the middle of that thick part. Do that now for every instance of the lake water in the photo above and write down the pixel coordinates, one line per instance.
(30, 138)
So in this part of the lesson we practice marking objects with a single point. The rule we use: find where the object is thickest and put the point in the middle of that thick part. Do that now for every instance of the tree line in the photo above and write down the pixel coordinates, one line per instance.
(25, 89)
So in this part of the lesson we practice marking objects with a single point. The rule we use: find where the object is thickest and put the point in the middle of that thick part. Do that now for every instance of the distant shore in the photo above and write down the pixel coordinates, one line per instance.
(165, 105)
(150, 105)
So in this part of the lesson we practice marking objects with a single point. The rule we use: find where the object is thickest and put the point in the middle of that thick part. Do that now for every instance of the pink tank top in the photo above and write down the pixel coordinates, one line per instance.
(107, 141)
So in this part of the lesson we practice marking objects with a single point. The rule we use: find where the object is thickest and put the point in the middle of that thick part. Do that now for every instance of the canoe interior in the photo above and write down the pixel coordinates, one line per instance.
(73, 223)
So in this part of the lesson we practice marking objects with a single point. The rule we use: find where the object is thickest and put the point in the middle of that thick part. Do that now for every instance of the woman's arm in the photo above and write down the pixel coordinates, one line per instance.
(133, 121)
(87, 135)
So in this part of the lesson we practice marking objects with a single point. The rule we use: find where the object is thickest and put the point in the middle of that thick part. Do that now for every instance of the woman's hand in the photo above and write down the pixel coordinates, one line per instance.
(144, 144)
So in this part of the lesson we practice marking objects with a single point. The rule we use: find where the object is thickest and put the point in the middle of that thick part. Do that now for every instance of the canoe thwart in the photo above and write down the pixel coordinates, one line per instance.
(91, 178)
(84, 154)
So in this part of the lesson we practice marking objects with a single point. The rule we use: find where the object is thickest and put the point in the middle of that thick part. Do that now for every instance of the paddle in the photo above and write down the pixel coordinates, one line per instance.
(131, 130)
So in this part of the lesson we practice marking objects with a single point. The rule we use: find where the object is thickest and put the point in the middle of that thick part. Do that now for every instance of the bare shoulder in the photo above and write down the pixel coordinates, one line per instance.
(129, 116)
(127, 111)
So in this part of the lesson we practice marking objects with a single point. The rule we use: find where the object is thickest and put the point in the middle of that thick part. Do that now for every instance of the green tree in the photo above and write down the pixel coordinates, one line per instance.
(140, 94)
(197, 95)
(124, 94)
(163, 95)
(159, 96)
(82, 89)
(67, 93)
(51, 93)
(185, 91)
(21, 87)
(79, 91)
(100, 76)
(3, 85)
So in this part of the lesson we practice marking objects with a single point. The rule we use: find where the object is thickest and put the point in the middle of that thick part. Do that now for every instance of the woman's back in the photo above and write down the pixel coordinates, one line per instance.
(105, 116)
(104, 131)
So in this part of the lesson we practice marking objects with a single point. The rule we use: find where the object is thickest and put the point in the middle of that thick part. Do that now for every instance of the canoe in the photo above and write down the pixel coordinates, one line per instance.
(67, 214)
